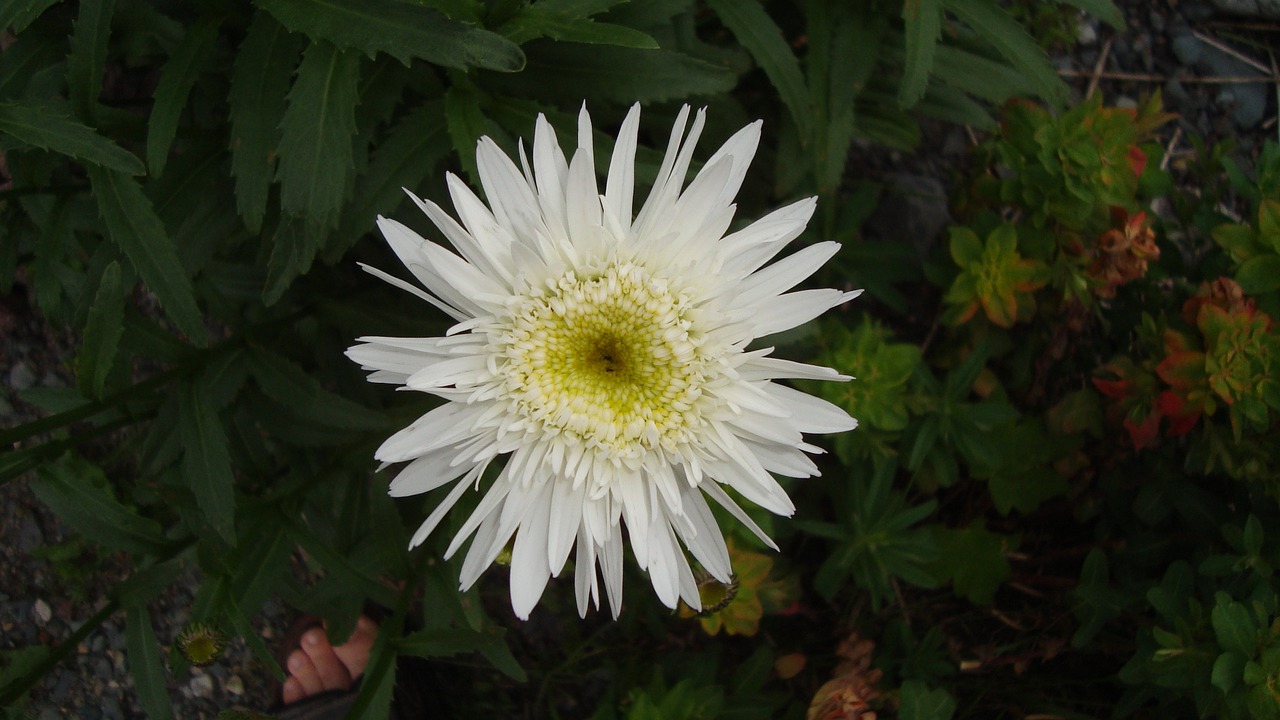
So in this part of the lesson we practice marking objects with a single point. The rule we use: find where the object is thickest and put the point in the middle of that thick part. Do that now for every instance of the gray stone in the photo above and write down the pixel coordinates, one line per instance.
(21, 376)
(913, 209)
(29, 535)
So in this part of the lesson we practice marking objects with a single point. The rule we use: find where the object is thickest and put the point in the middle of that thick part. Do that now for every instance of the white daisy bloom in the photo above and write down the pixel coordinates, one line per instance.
(604, 355)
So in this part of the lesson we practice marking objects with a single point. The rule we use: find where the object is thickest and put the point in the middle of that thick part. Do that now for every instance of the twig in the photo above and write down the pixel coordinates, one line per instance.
(1213, 42)
(1097, 69)
(1275, 72)
(1168, 149)
(1148, 77)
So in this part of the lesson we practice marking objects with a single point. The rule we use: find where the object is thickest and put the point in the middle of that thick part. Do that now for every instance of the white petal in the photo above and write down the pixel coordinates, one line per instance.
(444, 507)
(444, 307)
(620, 185)
(513, 202)
(798, 308)
(427, 473)
(768, 368)
(566, 519)
(726, 502)
(764, 285)
(584, 573)
(812, 414)
(529, 568)
(467, 369)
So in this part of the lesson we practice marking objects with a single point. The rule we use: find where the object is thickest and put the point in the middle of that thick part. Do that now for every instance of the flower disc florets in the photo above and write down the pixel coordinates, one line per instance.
(601, 356)
(610, 358)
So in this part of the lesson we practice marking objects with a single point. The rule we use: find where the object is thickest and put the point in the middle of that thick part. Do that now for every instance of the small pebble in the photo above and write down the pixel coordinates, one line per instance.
(42, 611)
(21, 376)
(234, 685)
(201, 685)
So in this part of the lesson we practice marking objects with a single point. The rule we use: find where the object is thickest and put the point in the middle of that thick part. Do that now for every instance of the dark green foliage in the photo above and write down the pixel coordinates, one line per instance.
(1062, 491)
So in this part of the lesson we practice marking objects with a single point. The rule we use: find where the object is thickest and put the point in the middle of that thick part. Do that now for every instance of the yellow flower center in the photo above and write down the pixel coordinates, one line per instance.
(611, 358)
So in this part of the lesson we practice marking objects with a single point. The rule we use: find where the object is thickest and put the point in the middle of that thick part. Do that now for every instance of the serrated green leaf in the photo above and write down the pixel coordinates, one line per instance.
(979, 76)
(571, 71)
(260, 566)
(102, 333)
(239, 621)
(88, 59)
(133, 225)
(286, 384)
(918, 702)
(146, 664)
(23, 59)
(444, 642)
(399, 29)
(762, 37)
(535, 21)
(265, 62)
(996, 26)
(293, 249)
(408, 152)
(18, 14)
(206, 465)
(1259, 274)
(316, 135)
(176, 80)
(145, 584)
(1104, 10)
(45, 127)
(467, 124)
(74, 490)
(923, 23)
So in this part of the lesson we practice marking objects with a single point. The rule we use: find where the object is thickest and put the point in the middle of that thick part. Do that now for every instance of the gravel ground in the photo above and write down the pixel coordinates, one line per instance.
(50, 581)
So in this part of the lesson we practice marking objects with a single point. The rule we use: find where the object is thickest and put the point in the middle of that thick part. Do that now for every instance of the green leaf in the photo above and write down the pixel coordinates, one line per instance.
(1104, 10)
(76, 491)
(265, 62)
(236, 616)
(293, 249)
(535, 21)
(18, 14)
(1252, 536)
(994, 25)
(467, 124)
(102, 333)
(206, 464)
(176, 80)
(974, 559)
(399, 29)
(1234, 627)
(133, 225)
(1227, 671)
(918, 702)
(443, 642)
(570, 71)
(288, 385)
(762, 37)
(88, 59)
(145, 585)
(408, 152)
(316, 135)
(1259, 274)
(23, 59)
(44, 127)
(146, 663)
(923, 21)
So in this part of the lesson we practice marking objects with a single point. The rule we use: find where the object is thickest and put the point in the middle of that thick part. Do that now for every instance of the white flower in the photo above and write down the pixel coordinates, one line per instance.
(605, 356)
